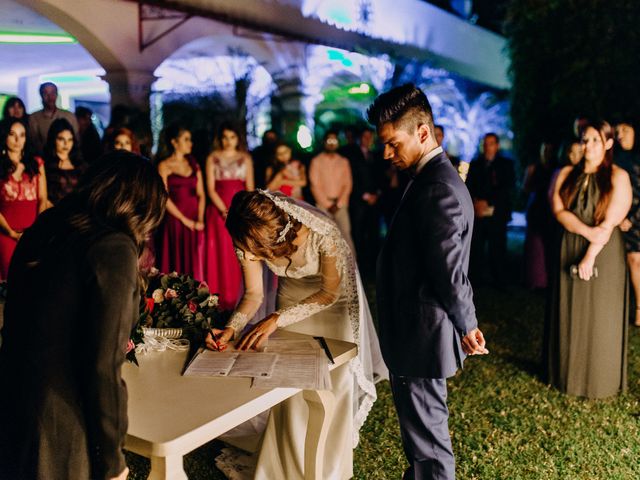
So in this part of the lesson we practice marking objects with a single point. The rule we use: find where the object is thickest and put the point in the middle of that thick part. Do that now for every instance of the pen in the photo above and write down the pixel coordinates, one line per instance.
(325, 347)
(214, 337)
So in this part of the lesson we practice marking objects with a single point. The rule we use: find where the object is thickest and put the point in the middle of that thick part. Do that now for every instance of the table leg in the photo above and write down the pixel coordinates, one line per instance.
(167, 468)
(321, 407)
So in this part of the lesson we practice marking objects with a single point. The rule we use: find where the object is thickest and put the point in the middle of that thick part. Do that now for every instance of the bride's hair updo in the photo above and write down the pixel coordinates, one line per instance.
(255, 223)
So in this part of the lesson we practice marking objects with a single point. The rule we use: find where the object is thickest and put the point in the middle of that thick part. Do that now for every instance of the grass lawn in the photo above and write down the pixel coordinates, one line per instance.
(505, 423)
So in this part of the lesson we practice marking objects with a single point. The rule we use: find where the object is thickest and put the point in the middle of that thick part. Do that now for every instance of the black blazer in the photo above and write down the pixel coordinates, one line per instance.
(425, 301)
(72, 301)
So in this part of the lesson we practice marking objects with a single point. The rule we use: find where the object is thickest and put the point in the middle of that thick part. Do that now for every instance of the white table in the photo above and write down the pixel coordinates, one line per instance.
(171, 415)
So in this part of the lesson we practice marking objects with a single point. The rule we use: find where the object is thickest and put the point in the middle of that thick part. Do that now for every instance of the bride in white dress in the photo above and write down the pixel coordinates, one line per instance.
(319, 293)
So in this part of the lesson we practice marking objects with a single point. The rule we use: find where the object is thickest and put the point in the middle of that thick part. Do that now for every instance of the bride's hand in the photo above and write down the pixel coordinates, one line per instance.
(222, 338)
(259, 334)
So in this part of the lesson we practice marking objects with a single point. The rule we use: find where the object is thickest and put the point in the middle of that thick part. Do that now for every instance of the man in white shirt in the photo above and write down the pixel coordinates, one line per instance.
(40, 121)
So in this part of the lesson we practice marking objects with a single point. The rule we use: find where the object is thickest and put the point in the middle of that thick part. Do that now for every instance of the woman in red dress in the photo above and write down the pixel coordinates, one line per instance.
(229, 170)
(23, 188)
(181, 238)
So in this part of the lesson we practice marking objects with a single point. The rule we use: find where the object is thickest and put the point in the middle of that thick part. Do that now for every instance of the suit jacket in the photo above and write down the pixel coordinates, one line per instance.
(71, 303)
(493, 181)
(425, 301)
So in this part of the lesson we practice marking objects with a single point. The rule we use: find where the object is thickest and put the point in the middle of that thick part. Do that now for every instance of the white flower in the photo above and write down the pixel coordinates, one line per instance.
(173, 275)
(154, 272)
(213, 300)
(158, 295)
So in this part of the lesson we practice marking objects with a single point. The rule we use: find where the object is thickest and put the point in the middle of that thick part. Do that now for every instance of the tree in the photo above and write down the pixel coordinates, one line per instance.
(570, 58)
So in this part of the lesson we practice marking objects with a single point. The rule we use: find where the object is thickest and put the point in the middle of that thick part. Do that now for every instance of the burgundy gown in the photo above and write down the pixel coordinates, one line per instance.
(222, 270)
(19, 206)
(179, 248)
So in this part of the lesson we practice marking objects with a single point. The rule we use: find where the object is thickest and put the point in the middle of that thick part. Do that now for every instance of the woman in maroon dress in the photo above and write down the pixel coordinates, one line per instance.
(23, 188)
(181, 238)
(63, 161)
(229, 170)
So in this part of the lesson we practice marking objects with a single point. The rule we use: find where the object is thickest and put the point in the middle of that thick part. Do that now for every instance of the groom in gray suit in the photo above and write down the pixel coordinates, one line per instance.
(426, 315)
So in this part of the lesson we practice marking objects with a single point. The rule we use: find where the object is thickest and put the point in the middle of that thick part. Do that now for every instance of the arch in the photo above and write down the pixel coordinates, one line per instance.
(76, 27)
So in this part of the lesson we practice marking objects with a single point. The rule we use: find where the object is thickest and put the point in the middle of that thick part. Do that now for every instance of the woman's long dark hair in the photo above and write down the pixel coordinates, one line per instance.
(50, 155)
(232, 127)
(122, 192)
(28, 160)
(172, 132)
(570, 187)
(11, 101)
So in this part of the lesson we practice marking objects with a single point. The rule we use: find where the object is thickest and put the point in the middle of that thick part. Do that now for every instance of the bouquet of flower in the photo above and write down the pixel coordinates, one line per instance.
(177, 301)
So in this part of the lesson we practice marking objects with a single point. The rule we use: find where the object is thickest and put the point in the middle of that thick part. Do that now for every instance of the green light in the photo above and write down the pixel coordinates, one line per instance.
(68, 78)
(36, 38)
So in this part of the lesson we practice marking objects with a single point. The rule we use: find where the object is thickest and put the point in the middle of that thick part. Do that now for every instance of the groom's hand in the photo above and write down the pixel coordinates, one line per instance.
(474, 343)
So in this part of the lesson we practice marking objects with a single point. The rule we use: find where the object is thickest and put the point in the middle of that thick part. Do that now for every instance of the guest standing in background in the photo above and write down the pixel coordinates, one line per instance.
(90, 143)
(626, 154)
(40, 122)
(285, 173)
(73, 297)
(331, 184)
(262, 157)
(180, 237)
(229, 170)
(23, 188)
(491, 182)
(63, 161)
(364, 208)
(122, 139)
(540, 221)
(14, 108)
(586, 351)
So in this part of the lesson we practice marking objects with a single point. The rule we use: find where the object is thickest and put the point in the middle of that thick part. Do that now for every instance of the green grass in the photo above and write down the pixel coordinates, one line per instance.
(505, 423)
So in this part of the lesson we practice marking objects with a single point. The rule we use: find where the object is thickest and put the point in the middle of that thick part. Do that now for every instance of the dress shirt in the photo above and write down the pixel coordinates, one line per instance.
(423, 161)
(330, 176)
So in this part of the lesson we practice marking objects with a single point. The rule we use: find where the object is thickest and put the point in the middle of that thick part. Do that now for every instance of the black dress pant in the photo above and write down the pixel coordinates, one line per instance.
(421, 404)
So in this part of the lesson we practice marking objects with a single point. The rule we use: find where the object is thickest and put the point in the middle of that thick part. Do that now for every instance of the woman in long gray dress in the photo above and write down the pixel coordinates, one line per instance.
(588, 309)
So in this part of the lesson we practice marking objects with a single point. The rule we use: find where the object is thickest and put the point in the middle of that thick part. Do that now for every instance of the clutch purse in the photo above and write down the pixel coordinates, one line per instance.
(573, 271)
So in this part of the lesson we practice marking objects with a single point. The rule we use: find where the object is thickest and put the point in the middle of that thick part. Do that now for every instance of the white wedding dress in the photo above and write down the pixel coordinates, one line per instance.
(319, 293)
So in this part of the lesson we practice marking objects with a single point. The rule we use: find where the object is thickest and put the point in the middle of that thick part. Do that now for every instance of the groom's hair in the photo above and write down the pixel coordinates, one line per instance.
(405, 107)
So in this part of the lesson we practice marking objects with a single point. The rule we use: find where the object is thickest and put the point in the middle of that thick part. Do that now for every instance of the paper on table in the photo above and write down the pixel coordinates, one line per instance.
(254, 365)
(291, 345)
(211, 364)
(207, 363)
(307, 371)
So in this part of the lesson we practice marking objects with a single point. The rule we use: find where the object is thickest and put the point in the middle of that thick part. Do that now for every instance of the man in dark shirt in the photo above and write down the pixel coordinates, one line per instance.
(366, 168)
(491, 182)
(263, 156)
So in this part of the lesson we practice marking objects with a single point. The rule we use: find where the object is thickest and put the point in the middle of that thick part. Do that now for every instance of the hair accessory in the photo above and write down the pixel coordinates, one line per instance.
(283, 234)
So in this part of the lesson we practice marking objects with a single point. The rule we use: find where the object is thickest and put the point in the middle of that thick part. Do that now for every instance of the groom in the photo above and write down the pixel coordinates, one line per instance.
(426, 315)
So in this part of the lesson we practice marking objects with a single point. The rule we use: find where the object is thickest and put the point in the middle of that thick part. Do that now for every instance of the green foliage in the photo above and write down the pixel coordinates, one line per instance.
(569, 58)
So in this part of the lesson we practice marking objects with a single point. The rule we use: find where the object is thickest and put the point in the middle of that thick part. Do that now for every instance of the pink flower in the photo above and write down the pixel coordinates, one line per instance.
(192, 306)
(203, 285)
(130, 346)
(170, 293)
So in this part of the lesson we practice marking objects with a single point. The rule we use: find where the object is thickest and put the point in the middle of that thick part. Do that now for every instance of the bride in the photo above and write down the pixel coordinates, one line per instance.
(319, 293)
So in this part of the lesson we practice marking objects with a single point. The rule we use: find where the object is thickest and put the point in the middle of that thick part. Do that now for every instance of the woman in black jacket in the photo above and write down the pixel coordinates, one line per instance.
(73, 297)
